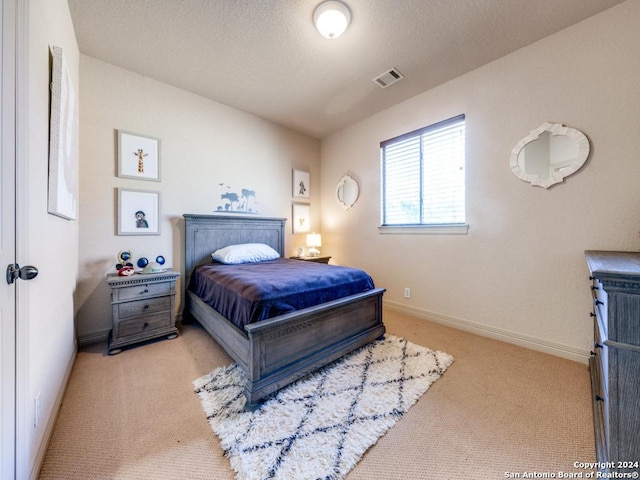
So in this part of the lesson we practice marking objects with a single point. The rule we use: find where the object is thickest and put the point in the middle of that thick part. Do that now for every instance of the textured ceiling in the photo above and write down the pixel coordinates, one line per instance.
(266, 58)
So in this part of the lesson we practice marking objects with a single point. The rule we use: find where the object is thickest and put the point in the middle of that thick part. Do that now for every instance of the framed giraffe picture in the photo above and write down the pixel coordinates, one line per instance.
(138, 156)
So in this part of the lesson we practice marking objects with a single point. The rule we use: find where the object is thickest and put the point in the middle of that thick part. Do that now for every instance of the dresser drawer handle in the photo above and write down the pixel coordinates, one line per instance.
(597, 345)
(146, 290)
(146, 324)
(146, 307)
(599, 398)
(598, 302)
(591, 314)
(595, 287)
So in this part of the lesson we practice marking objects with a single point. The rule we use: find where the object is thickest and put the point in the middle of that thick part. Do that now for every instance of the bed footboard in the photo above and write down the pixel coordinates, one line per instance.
(279, 351)
(287, 348)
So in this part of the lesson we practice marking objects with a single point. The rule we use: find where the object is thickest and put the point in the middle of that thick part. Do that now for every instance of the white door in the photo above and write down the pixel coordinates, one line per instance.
(7, 238)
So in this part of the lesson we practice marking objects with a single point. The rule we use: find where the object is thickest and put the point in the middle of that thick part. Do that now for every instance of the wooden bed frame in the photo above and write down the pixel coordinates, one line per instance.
(280, 350)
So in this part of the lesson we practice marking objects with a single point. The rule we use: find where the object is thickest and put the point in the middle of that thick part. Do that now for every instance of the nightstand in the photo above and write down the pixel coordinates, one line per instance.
(318, 259)
(143, 307)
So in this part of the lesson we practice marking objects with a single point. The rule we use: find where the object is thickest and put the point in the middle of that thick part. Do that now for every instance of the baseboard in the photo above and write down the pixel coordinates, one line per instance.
(95, 337)
(51, 421)
(552, 348)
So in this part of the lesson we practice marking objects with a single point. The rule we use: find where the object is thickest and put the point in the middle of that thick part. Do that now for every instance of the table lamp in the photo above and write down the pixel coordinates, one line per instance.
(314, 240)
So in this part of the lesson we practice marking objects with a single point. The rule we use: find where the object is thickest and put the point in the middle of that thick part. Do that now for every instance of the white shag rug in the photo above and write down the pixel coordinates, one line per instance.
(320, 426)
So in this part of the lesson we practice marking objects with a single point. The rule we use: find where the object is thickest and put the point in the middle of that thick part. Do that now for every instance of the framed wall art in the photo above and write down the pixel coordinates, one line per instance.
(138, 212)
(138, 156)
(301, 218)
(63, 140)
(300, 184)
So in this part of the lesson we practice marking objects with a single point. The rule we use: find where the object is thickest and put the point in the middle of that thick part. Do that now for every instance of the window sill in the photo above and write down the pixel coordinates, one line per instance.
(457, 229)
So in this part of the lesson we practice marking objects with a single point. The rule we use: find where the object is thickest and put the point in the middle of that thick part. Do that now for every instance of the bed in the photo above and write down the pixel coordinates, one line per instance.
(279, 350)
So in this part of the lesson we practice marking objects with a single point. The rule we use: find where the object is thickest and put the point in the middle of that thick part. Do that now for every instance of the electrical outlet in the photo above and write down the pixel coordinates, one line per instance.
(36, 410)
(407, 293)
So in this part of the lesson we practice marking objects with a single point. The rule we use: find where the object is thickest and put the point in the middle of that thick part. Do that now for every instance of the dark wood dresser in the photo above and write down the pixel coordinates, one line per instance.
(615, 359)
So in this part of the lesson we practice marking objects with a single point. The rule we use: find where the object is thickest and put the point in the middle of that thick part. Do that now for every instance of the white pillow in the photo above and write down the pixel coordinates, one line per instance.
(245, 253)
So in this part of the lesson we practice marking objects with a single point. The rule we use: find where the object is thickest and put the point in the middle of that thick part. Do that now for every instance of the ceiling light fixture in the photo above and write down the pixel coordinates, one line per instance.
(331, 18)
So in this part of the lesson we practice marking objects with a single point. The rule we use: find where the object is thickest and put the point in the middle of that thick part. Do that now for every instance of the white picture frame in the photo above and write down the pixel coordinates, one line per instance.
(301, 218)
(63, 140)
(138, 156)
(138, 212)
(300, 184)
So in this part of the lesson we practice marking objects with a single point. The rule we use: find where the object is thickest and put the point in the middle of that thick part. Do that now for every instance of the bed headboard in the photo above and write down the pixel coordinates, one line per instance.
(206, 233)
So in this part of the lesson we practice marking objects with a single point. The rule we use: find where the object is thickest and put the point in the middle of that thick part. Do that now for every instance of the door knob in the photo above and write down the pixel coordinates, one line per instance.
(25, 273)
(28, 272)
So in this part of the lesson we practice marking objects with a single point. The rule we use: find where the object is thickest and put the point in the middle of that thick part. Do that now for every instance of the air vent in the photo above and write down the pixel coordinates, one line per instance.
(388, 78)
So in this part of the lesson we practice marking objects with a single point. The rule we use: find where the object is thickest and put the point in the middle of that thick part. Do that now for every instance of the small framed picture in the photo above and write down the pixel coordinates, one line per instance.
(138, 212)
(300, 184)
(138, 156)
(301, 218)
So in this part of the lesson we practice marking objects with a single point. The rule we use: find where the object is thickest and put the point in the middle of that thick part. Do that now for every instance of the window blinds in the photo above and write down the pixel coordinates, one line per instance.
(423, 176)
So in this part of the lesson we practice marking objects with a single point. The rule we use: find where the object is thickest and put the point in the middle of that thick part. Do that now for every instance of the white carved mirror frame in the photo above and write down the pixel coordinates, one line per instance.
(554, 167)
(347, 192)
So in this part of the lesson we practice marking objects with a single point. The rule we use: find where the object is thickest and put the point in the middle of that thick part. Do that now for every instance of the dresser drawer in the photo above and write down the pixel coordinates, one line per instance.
(144, 306)
(143, 324)
(599, 292)
(601, 352)
(600, 305)
(142, 290)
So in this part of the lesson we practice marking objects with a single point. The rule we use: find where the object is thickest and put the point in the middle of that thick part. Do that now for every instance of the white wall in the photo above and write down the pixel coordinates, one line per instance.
(50, 243)
(520, 272)
(203, 143)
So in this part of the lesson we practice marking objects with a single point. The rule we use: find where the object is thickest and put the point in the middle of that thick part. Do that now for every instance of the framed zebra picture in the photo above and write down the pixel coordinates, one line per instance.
(300, 184)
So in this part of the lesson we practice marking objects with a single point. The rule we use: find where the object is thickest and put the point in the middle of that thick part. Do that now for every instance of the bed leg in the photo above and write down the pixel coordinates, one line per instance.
(187, 318)
(251, 406)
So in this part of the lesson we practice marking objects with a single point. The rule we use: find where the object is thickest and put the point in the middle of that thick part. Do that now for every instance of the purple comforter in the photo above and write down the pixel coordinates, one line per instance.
(251, 292)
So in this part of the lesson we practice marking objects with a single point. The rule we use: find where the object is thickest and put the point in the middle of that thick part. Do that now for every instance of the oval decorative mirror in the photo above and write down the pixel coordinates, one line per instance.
(347, 192)
(549, 154)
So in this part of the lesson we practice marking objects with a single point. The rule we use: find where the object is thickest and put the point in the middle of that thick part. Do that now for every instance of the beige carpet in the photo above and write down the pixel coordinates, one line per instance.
(320, 426)
(499, 408)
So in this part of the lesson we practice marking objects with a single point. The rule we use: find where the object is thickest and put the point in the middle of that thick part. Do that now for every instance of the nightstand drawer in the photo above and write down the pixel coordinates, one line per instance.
(140, 325)
(142, 290)
(142, 307)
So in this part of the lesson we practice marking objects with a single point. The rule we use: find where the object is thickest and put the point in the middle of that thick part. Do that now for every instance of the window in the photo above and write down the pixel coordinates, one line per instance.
(423, 176)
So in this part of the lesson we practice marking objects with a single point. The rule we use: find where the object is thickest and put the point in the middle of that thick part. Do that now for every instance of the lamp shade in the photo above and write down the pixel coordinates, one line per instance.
(314, 240)
(331, 18)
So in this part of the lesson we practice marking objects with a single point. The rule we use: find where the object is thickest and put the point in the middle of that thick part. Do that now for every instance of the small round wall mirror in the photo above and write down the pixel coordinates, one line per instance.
(347, 192)
(548, 154)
